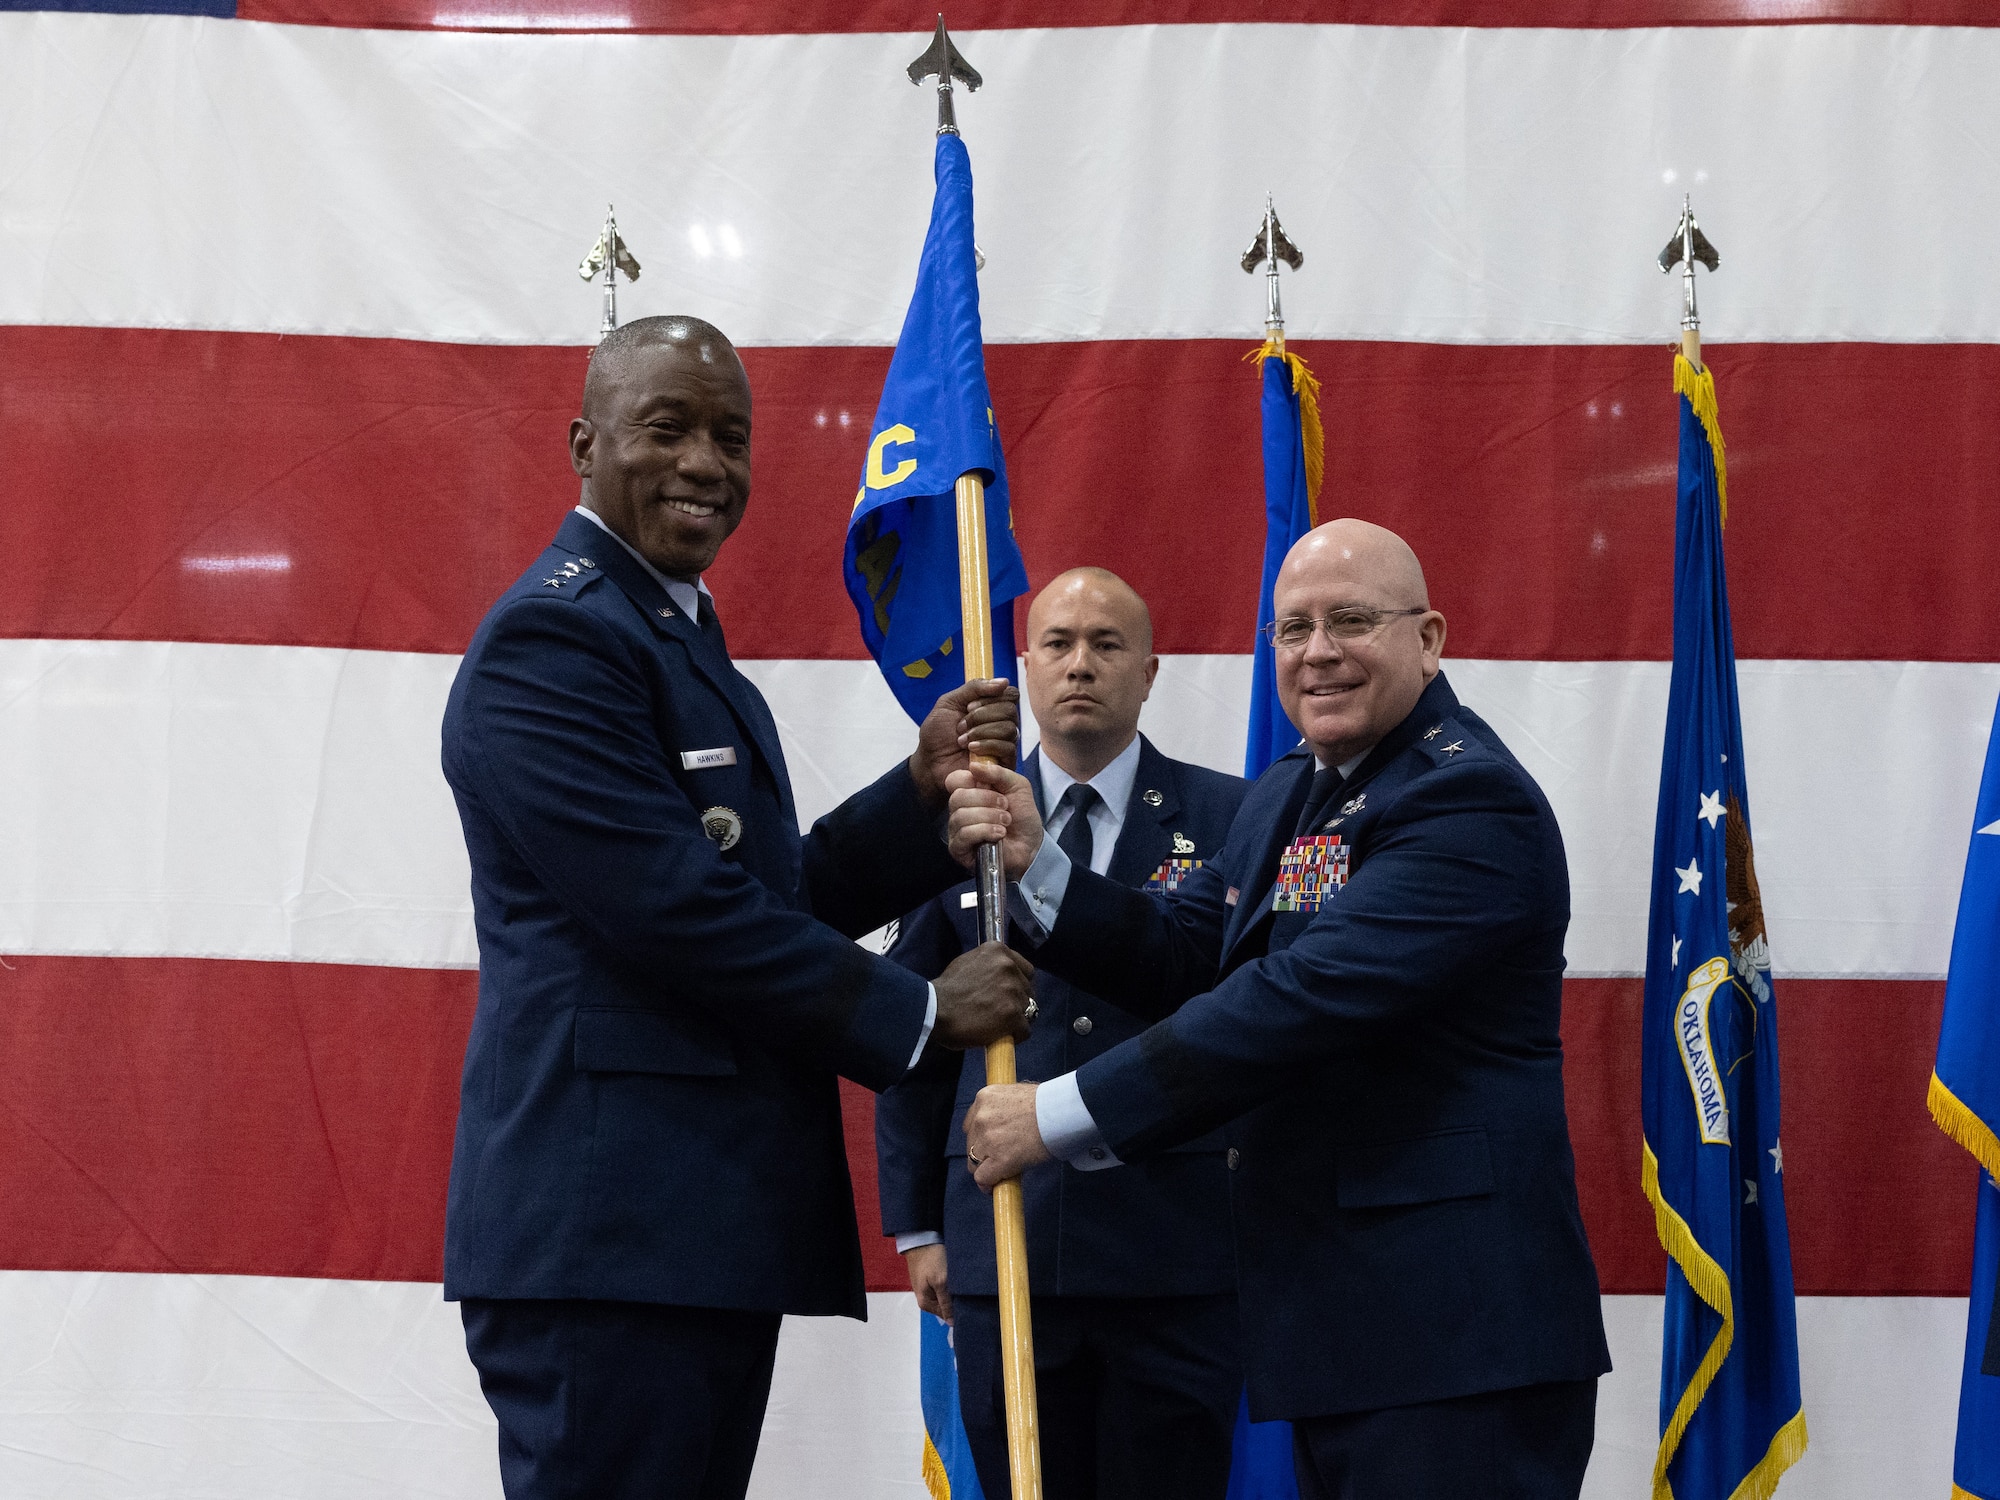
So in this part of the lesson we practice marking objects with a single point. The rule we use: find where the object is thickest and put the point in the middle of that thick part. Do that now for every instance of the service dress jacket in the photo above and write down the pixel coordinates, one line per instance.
(1405, 1204)
(1159, 1229)
(667, 987)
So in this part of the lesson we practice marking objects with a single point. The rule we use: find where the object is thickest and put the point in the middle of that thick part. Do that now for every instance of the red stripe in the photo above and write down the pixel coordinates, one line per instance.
(408, 483)
(755, 16)
(296, 1120)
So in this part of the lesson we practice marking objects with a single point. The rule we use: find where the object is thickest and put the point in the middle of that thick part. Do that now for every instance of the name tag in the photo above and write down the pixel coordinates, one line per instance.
(967, 900)
(703, 760)
(1312, 869)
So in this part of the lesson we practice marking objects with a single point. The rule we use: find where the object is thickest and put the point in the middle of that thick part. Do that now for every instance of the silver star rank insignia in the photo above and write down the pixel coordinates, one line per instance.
(1454, 747)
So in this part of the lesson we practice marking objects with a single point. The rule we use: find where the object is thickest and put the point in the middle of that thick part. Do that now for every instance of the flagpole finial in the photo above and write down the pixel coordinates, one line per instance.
(1270, 247)
(610, 256)
(944, 62)
(1687, 246)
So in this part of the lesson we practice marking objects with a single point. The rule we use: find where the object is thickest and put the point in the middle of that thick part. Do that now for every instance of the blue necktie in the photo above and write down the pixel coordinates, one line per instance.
(1075, 840)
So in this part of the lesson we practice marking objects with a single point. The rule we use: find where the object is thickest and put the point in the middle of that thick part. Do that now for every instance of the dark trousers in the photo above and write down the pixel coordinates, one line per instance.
(1137, 1395)
(622, 1400)
(1532, 1443)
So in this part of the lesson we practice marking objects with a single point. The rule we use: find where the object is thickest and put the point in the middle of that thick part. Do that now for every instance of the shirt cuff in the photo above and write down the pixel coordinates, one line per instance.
(916, 1239)
(930, 1020)
(1067, 1128)
(1035, 900)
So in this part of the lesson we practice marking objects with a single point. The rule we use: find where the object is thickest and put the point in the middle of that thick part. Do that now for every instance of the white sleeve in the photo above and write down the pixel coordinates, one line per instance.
(930, 1020)
(1035, 900)
(1067, 1128)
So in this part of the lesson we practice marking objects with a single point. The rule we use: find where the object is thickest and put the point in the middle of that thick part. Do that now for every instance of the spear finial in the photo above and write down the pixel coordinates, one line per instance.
(944, 62)
(1687, 246)
(610, 256)
(1270, 247)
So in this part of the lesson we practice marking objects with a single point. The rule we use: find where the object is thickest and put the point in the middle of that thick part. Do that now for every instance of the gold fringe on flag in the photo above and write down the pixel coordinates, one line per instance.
(935, 1479)
(1710, 1283)
(1698, 385)
(1963, 1126)
(1312, 435)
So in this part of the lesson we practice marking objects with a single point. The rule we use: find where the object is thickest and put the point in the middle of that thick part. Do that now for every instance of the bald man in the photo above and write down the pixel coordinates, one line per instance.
(1133, 1273)
(650, 1166)
(1370, 976)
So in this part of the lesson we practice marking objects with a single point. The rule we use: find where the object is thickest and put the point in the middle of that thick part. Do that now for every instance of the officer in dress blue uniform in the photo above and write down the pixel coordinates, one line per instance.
(1133, 1274)
(649, 1167)
(1370, 974)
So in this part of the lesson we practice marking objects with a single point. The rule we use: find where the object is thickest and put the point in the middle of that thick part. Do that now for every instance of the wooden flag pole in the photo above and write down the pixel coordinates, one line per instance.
(1010, 1222)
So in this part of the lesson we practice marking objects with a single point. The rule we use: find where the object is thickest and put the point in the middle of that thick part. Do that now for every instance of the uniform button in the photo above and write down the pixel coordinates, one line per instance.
(1097, 1153)
(1233, 1158)
(1081, 1026)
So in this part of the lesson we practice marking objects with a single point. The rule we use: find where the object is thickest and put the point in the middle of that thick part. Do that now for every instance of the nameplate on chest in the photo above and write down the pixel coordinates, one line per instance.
(1167, 879)
(1312, 869)
(706, 760)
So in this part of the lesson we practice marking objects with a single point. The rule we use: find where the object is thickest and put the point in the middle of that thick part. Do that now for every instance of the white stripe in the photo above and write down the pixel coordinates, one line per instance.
(242, 1388)
(1484, 185)
(286, 803)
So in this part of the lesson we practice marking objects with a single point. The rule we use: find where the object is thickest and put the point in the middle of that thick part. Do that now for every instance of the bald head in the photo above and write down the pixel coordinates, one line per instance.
(1376, 646)
(1090, 667)
(1362, 550)
(690, 338)
(663, 442)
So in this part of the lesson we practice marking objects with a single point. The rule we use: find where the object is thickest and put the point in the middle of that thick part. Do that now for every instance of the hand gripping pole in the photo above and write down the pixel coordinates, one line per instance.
(1010, 1224)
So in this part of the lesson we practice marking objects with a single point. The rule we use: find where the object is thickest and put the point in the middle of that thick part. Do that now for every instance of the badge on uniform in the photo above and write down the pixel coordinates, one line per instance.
(1167, 879)
(723, 826)
(1309, 871)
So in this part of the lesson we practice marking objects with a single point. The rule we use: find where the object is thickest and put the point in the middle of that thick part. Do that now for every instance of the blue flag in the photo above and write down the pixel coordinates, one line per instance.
(1260, 1463)
(935, 423)
(948, 1471)
(1731, 1421)
(1965, 1100)
(1292, 457)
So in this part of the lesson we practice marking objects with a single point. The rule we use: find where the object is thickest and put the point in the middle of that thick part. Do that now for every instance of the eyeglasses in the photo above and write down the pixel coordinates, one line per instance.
(1349, 624)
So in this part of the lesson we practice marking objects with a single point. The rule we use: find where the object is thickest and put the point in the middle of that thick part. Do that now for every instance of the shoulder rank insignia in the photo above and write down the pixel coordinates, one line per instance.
(1432, 732)
(1183, 844)
(1454, 747)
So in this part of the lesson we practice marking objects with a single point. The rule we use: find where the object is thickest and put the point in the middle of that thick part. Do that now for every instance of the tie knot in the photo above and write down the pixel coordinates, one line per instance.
(1081, 799)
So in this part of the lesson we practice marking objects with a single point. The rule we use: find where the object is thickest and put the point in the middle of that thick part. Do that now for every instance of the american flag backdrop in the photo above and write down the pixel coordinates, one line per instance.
(290, 333)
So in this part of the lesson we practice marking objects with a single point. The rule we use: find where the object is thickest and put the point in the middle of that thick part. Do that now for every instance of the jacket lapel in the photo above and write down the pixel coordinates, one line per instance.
(1146, 836)
(1268, 836)
(666, 617)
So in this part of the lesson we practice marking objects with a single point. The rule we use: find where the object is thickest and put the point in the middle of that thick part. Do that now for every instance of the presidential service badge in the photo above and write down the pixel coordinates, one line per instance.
(1167, 879)
(723, 826)
(1309, 871)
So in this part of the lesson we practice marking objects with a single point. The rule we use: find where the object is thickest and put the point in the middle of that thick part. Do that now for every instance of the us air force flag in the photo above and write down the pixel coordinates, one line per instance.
(1731, 1421)
(934, 424)
(1965, 1100)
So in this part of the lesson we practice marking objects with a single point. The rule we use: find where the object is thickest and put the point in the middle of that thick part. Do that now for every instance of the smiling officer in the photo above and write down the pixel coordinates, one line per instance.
(649, 1168)
(1371, 975)
(1132, 1273)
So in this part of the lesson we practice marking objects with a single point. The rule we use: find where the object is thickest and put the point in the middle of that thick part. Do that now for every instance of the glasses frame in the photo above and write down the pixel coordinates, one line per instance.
(1269, 629)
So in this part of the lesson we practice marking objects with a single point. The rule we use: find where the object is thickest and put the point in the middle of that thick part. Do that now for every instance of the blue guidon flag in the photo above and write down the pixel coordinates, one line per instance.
(1731, 1420)
(935, 423)
(1965, 1101)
